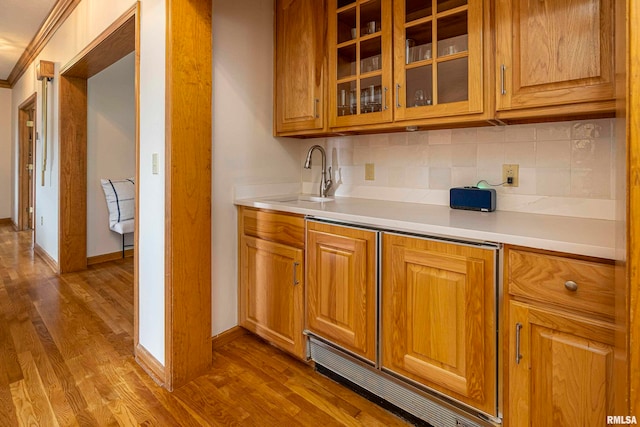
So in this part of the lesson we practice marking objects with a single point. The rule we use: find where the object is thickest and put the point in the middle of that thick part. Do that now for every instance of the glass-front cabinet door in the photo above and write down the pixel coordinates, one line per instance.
(360, 62)
(438, 68)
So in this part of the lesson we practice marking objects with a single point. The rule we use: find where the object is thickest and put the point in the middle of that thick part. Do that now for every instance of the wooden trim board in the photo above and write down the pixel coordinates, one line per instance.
(59, 13)
(150, 364)
(113, 256)
(227, 336)
(6, 221)
(188, 190)
(46, 258)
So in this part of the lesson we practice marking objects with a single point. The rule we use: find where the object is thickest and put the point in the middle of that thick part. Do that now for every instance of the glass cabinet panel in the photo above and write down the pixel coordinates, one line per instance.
(370, 17)
(419, 86)
(436, 51)
(347, 61)
(361, 62)
(453, 81)
(371, 95)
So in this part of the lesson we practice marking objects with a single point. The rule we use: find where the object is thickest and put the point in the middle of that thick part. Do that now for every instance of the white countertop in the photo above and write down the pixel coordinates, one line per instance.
(591, 237)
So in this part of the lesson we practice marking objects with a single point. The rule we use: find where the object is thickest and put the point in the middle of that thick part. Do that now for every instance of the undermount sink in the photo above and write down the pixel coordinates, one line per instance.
(303, 198)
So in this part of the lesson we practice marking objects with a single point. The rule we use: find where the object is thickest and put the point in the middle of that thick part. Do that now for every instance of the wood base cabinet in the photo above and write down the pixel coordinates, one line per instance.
(560, 369)
(341, 286)
(438, 317)
(271, 291)
(559, 354)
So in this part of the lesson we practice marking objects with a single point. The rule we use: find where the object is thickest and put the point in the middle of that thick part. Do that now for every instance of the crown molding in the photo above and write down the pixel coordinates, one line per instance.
(59, 13)
(5, 84)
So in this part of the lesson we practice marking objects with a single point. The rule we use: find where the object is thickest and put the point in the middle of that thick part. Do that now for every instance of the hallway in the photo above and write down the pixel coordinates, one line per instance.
(66, 359)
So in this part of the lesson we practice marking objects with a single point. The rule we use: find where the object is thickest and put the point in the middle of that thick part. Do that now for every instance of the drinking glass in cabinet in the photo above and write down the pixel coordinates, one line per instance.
(347, 104)
(346, 25)
(370, 96)
(418, 42)
(370, 17)
(419, 86)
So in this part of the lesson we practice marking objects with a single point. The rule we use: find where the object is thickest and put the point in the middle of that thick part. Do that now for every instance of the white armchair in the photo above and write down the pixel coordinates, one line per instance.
(120, 196)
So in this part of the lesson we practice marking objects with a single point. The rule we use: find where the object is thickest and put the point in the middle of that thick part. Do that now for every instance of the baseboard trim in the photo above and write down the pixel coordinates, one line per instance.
(227, 336)
(46, 258)
(150, 365)
(113, 256)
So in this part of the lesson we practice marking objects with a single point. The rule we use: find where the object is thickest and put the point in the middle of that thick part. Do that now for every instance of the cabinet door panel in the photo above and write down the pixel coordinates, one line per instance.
(271, 292)
(438, 326)
(341, 291)
(565, 372)
(299, 60)
(554, 52)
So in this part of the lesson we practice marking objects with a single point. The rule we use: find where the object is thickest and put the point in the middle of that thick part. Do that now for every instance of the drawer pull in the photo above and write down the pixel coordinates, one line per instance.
(518, 355)
(570, 285)
(295, 273)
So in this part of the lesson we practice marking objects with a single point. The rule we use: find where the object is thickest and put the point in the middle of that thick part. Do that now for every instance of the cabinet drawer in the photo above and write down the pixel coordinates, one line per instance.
(544, 278)
(274, 227)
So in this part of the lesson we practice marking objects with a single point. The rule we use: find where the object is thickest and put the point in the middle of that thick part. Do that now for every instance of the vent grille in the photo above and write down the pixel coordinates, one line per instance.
(404, 398)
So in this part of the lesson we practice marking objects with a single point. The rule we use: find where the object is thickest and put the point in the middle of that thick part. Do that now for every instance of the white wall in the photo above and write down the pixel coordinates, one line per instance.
(5, 157)
(85, 23)
(566, 168)
(244, 150)
(111, 147)
(151, 203)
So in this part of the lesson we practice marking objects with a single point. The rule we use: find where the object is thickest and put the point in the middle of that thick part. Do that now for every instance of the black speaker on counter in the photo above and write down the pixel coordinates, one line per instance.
(473, 199)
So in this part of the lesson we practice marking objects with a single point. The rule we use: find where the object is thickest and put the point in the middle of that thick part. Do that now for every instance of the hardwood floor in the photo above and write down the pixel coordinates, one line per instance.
(66, 359)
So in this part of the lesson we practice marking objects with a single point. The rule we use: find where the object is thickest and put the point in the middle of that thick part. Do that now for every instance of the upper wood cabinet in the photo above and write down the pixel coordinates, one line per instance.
(300, 66)
(271, 288)
(438, 317)
(413, 62)
(360, 62)
(341, 286)
(554, 58)
(440, 63)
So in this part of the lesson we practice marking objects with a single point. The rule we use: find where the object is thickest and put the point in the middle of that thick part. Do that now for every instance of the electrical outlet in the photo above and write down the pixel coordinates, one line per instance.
(513, 172)
(369, 172)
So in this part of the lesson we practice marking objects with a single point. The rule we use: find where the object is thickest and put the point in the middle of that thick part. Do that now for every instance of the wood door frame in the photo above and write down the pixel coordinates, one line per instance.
(23, 181)
(188, 137)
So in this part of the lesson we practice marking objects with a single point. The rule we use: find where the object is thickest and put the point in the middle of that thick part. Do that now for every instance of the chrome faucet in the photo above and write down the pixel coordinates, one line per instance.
(325, 184)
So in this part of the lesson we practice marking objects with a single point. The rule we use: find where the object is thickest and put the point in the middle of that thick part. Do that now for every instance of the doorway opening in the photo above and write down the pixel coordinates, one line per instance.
(26, 178)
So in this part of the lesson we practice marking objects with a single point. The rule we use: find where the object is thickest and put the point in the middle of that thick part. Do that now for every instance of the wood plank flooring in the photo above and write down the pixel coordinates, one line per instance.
(66, 359)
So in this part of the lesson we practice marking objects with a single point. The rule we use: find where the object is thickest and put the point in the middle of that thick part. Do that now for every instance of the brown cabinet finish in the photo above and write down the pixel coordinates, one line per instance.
(564, 369)
(438, 317)
(554, 58)
(300, 66)
(564, 282)
(341, 286)
(559, 355)
(271, 291)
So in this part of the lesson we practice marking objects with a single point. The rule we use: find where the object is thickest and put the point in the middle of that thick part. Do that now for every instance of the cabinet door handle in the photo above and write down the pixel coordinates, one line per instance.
(503, 69)
(315, 108)
(570, 285)
(386, 107)
(398, 96)
(518, 355)
(295, 273)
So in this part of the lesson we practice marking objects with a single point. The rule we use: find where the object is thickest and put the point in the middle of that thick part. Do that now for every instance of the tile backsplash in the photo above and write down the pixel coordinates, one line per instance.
(566, 168)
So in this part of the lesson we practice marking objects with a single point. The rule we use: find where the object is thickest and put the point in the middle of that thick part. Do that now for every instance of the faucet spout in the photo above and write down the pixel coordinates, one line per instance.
(325, 184)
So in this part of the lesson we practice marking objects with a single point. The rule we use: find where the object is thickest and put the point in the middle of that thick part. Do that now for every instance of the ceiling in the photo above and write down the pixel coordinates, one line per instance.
(20, 20)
